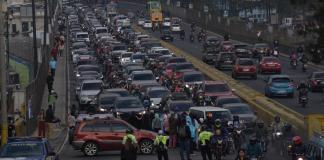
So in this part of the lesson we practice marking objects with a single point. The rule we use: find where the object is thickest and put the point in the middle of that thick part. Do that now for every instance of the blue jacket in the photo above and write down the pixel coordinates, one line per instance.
(191, 126)
(52, 64)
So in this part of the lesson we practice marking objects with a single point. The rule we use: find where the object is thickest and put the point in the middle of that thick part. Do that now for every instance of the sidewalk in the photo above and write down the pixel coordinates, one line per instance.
(57, 134)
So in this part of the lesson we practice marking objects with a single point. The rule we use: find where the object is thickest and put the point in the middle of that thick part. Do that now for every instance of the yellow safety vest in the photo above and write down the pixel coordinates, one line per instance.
(162, 139)
(203, 136)
(131, 137)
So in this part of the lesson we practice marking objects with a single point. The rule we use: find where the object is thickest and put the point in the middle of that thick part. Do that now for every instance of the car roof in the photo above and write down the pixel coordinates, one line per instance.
(81, 33)
(227, 97)
(115, 89)
(246, 59)
(215, 82)
(208, 108)
(108, 95)
(157, 88)
(229, 105)
(92, 81)
(192, 73)
(142, 72)
(127, 98)
(180, 101)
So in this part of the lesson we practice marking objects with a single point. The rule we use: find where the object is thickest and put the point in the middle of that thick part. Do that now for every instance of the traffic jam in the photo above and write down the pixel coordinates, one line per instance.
(127, 82)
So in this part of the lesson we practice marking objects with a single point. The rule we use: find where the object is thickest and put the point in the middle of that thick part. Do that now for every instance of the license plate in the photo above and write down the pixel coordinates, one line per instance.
(246, 69)
(282, 92)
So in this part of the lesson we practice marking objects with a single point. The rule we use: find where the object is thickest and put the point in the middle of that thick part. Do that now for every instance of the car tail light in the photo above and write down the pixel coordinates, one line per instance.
(314, 82)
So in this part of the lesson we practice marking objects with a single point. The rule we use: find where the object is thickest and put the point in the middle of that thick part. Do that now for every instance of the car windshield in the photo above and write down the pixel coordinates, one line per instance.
(228, 56)
(193, 78)
(141, 77)
(88, 69)
(107, 100)
(270, 59)
(25, 149)
(91, 86)
(129, 103)
(319, 75)
(223, 115)
(163, 52)
(180, 107)
(102, 31)
(221, 102)
(281, 80)
(240, 110)
(153, 56)
(216, 88)
(138, 56)
(158, 93)
(184, 66)
(89, 74)
(78, 46)
(121, 93)
(82, 36)
(126, 55)
(246, 62)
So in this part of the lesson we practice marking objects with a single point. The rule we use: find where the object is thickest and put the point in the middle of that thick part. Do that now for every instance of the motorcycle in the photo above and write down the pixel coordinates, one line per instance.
(199, 38)
(238, 138)
(218, 149)
(200, 100)
(192, 38)
(263, 144)
(303, 98)
(304, 67)
(300, 156)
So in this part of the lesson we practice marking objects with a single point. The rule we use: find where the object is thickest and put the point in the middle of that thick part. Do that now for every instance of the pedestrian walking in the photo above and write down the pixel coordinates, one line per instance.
(173, 125)
(41, 123)
(52, 97)
(71, 121)
(204, 143)
(184, 137)
(129, 151)
(60, 48)
(52, 65)
(49, 81)
(54, 51)
(156, 123)
(160, 143)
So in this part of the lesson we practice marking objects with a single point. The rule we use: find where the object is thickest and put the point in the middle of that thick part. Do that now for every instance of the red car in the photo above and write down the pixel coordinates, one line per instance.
(169, 69)
(244, 67)
(92, 136)
(215, 89)
(270, 64)
(226, 46)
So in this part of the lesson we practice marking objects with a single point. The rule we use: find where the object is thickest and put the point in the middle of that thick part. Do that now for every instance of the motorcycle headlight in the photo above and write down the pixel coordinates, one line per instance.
(134, 61)
(300, 158)
(78, 75)
(187, 86)
(278, 133)
(102, 109)
(142, 112)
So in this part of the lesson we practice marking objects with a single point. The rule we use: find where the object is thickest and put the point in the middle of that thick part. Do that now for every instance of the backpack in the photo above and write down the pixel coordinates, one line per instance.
(182, 132)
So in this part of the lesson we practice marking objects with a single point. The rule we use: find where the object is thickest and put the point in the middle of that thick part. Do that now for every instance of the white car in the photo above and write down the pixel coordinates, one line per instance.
(148, 24)
(125, 58)
(140, 22)
(166, 22)
(175, 28)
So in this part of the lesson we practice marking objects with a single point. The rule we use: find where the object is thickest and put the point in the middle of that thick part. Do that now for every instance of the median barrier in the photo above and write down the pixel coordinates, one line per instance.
(265, 107)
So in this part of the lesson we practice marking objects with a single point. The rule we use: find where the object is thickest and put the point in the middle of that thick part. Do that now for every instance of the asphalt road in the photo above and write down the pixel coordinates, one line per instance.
(316, 101)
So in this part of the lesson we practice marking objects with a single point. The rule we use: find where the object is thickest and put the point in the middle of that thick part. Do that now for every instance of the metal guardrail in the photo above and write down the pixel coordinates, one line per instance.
(265, 107)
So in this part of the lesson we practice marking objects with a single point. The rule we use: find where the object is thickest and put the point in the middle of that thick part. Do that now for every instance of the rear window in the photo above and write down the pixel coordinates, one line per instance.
(138, 56)
(180, 107)
(281, 80)
(223, 115)
(270, 59)
(143, 77)
(82, 36)
(126, 55)
(216, 88)
(221, 102)
(120, 48)
(101, 31)
(240, 110)
(177, 60)
(91, 86)
(227, 56)
(319, 75)
(246, 62)
(193, 78)
(184, 66)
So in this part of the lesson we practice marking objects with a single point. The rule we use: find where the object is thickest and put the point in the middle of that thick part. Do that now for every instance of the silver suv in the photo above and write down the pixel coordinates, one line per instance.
(89, 91)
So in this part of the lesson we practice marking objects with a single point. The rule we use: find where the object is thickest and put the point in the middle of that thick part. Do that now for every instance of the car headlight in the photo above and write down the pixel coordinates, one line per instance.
(278, 133)
(133, 61)
(102, 109)
(187, 86)
(142, 112)
(78, 75)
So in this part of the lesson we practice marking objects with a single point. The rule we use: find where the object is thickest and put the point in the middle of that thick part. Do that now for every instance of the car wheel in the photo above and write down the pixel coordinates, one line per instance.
(146, 146)
(90, 149)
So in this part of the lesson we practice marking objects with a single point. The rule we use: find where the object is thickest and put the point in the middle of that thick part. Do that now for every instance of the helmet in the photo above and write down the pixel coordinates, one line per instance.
(160, 132)
(297, 140)
(260, 124)
(218, 132)
(288, 127)
(277, 119)
(129, 131)
(236, 118)
(218, 123)
(253, 140)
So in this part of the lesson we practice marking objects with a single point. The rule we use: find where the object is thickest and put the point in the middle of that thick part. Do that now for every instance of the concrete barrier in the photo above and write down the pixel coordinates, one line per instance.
(265, 107)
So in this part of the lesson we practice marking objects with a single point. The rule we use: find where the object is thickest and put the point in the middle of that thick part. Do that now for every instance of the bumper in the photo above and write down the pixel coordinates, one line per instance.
(268, 69)
(245, 73)
(281, 92)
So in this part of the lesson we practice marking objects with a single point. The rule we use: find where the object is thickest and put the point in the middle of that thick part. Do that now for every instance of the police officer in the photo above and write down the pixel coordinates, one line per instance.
(204, 142)
(129, 151)
(161, 145)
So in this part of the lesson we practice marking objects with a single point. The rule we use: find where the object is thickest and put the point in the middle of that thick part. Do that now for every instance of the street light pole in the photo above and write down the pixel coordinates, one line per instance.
(34, 39)
(4, 116)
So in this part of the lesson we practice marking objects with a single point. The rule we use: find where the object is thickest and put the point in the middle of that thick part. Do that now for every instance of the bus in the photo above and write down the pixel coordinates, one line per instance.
(155, 11)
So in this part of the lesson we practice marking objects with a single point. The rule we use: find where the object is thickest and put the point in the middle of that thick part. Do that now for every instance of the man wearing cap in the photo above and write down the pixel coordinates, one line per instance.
(161, 145)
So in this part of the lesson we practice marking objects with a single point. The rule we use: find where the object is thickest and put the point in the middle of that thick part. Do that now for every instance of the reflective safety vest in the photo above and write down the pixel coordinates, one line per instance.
(131, 137)
(203, 136)
(162, 139)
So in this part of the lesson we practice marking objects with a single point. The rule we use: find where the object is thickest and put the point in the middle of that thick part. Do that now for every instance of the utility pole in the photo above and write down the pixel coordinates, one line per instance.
(45, 27)
(34, 39)
(4, 116)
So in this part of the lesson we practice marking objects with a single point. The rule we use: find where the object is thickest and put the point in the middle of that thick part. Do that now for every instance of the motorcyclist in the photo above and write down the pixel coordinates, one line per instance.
(293, 57)
(303, 60)
(219, 134)
(199, 97)
(288, 133)
(261, 133)
(182, 34)
(276, 125)
(275, 44)
(302, 88)
(236, 123)
(193, 26)
(192, 38)
(136, 91)
(298, 148)
(253, 149)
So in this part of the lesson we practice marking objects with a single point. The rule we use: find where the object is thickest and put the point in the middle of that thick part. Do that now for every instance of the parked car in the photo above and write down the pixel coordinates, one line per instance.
(270, 65)
(244, 67)
(225, 60)
(279, 85)
(28, 148)
(93, 136)
(316, 81)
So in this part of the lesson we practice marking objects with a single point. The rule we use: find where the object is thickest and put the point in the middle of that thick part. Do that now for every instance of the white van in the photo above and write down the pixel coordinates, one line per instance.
(214, 112)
